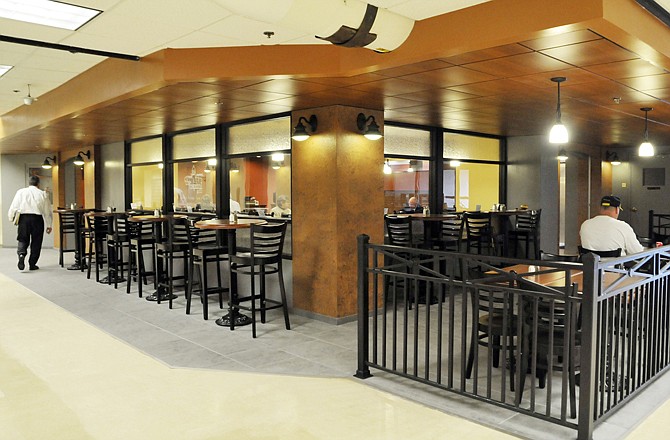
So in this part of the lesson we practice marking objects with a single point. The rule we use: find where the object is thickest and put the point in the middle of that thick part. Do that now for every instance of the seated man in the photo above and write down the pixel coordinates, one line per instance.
(412, 206)
(282, 209)
(605, 232)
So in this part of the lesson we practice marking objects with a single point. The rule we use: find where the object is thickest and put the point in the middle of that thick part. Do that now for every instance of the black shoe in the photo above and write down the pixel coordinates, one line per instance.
(35, 267)
(22, 264)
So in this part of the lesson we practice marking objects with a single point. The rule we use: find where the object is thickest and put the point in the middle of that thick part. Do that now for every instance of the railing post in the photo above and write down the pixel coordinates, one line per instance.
(587, 373)
(363, 371)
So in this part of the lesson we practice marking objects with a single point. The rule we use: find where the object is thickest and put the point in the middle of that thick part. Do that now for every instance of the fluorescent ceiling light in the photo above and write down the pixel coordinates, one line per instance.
(4, 69)
(46, 12)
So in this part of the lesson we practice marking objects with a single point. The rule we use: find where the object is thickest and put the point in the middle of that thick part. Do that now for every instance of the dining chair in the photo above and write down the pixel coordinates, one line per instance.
(496, 321)
(207, 248)
(602, 254)
(478, 231)
(451, 233)
(264, 258)
(118, 241)
(399, 230)
(175, 247)
(141, 239)
(525, 232)
(98, 227)
(66, 229)
(552, 329)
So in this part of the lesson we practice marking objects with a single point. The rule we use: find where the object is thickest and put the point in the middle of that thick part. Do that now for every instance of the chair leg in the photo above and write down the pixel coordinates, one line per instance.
(261, 294)
(253, 301)
(218, 278)
(203, 289)
(282, 290)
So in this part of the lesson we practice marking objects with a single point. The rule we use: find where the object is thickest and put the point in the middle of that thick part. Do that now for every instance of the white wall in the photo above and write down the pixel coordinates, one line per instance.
(14, 175)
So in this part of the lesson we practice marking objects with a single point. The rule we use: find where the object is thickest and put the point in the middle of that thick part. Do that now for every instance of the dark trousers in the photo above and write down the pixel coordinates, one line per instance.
(31, 233)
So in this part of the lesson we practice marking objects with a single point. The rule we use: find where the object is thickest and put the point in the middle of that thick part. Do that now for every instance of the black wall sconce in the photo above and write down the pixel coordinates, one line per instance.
(612, 157)
(370, 130)
(79, 160)
(300, 132)
(48, 165)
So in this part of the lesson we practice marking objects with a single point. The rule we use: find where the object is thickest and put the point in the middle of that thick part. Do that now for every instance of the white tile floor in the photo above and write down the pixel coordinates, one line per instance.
(109, 365)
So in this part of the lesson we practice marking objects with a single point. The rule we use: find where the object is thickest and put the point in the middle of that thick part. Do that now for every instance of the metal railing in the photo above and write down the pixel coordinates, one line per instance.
(594, 333)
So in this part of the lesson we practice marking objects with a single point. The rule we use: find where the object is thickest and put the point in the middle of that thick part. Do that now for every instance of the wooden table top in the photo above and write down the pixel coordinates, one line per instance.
(220, 223)
(154, 218)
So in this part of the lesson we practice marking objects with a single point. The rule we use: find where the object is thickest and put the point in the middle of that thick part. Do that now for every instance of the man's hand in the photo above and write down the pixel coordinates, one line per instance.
(48, 230)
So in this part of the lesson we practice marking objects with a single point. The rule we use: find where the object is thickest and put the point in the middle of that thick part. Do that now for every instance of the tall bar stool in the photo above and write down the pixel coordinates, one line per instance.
(206, 249)
(264, 258)
(118, 242)
(167, 252)
(98, 228)
(527, 231)
(66, 229)
(478, 231)
(141, 239)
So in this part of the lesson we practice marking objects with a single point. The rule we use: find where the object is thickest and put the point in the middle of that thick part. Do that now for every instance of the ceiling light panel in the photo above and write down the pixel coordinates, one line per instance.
(4, 69)
(47, 13)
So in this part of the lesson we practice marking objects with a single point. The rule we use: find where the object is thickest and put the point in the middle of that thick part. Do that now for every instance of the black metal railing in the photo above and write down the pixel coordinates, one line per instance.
(563, 342)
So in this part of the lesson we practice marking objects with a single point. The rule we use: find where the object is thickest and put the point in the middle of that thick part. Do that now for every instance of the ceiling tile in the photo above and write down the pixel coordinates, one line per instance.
(590, 53)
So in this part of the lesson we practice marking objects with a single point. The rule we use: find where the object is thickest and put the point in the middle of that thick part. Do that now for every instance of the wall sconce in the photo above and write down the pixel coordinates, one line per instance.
(234, 168)
(300, 132)
(612, 157)
(371, 130)
(558, 133)
(48, 165)
(562, 155)
(387, 168)
(79, 160)
(646, 148)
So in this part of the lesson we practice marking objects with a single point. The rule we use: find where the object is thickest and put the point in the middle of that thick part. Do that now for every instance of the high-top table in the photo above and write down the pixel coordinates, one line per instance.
(157, 220)
(231, 229)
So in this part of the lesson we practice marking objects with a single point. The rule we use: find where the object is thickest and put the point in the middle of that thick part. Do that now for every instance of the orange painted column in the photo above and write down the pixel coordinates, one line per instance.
(337, 188)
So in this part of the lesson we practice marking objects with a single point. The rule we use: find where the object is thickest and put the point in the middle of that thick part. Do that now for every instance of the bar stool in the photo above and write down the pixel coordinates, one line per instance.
(118, 241)
(478, 231)
(527, 231)
(206, 249)
(66, 228)
(141, 239)
(267, 243)
(98, 227)
(175, 247)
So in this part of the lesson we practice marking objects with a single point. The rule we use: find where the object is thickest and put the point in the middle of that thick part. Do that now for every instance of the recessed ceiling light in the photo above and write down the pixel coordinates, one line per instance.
(46, 12)
(4, 69)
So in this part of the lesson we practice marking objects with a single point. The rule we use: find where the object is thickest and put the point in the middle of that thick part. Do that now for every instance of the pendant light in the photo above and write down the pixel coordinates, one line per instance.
(387, 168)
(646, 148)
(558, 133)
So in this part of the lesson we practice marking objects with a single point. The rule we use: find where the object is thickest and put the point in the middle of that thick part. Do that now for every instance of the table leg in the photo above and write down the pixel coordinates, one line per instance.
(161, 293)
(77, 243)
(237, 318)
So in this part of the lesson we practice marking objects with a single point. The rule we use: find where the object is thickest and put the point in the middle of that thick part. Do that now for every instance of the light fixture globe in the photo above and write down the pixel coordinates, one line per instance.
(79, 160)
(371, 131)
(387, 168)
(646, 148)
(558, 133)
(300, 131)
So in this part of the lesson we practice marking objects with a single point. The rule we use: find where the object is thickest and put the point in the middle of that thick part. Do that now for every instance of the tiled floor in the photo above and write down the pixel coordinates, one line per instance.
(203, 381)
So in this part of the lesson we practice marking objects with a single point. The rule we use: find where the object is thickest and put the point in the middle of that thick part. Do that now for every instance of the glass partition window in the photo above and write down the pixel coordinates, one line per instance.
(195, 186)
(147, 181)
(194, 171)
(263, 136)
(461, 146)
(407, 178)
(469, 186)
(406, 141)
(146, 170)
(261, 185)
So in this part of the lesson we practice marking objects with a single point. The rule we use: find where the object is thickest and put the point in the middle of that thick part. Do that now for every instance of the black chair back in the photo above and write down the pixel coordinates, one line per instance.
(528, 221)
(603, 254)
(399, 231)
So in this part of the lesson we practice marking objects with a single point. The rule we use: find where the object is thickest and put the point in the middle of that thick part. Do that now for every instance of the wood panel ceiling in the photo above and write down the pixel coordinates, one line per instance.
(504, 91)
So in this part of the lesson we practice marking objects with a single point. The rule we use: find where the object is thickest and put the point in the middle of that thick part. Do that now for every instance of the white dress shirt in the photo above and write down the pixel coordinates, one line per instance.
(32, 200)
(604, 233)
(234, 206)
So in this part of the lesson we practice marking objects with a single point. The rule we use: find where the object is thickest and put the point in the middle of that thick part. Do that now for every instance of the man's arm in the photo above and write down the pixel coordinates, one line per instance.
(14, 207)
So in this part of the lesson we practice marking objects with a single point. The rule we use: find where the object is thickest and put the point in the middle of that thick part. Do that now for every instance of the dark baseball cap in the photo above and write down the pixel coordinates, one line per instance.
(612, 201)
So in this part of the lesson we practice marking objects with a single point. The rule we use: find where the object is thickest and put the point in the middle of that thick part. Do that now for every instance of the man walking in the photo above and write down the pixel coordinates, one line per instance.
(34, 210)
